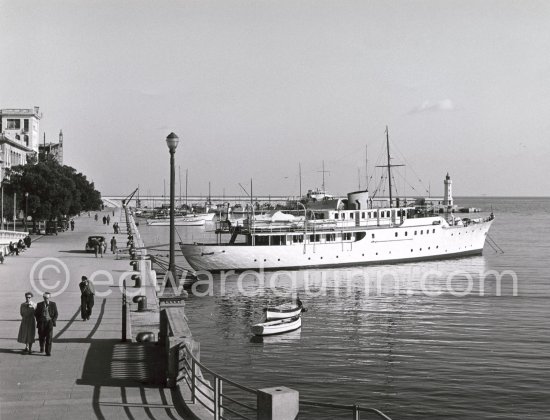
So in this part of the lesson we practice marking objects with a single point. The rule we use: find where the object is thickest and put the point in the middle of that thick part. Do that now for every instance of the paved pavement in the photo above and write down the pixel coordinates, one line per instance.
(91, 373)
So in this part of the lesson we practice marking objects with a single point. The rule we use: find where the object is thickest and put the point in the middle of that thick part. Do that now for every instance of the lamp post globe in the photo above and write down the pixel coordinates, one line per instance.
(172, 141)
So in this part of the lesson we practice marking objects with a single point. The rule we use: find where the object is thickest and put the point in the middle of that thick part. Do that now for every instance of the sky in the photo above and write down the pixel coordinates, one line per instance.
(255, 89)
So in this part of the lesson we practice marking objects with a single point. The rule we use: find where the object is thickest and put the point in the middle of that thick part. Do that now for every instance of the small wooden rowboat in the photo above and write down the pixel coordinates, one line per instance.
(286, 310)
(278, 326)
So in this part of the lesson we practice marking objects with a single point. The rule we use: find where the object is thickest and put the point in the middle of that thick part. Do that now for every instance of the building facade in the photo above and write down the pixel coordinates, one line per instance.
(19, 136)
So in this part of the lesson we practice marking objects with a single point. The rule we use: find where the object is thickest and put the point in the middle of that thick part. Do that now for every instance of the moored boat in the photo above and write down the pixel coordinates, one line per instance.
(178, 221)
(278, 326)
(285, 310)
(343, 232)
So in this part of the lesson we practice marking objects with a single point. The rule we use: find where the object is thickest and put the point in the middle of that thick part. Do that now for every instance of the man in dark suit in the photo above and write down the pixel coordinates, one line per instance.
(46, 315)
(86, 298)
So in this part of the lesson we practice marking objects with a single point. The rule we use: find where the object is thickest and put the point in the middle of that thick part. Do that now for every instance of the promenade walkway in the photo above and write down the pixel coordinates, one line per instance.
(91, 374)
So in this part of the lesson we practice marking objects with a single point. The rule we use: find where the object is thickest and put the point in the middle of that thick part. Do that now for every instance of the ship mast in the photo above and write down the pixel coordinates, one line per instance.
(388, 165)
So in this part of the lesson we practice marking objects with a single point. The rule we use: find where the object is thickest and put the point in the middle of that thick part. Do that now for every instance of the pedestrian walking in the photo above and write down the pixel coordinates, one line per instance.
(27, 241)
(104, 220)
(96, 217)
(72, 224)
(95, 246)
(46, 316)
(108, 219)
(87, 292)
(27, 329)
(102, 246)
(113, 245)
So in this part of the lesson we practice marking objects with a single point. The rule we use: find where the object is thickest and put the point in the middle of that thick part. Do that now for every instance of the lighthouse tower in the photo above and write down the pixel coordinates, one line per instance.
(448, 195)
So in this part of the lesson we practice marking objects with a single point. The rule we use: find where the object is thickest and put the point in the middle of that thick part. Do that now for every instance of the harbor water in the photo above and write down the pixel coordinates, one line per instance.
(426, 340)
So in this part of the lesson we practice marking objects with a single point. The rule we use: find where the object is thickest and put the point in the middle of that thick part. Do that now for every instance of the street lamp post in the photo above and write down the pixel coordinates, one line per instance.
(172, 142)
(26, 210)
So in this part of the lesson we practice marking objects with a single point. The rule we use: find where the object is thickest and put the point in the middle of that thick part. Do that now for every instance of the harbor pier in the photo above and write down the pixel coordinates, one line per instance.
(91, 373)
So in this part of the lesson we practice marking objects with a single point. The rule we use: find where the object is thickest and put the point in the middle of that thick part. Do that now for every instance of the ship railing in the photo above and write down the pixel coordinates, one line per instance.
(226, 399)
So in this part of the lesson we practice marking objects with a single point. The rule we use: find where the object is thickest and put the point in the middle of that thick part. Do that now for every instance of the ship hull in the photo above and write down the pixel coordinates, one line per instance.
(389, 245)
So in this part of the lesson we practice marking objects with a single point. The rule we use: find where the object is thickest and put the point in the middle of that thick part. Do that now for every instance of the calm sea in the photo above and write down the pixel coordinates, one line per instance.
(437, 340)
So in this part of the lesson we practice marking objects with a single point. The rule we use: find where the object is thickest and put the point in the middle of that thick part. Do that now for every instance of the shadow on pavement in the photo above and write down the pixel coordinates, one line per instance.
(76, 251)
(117, 370)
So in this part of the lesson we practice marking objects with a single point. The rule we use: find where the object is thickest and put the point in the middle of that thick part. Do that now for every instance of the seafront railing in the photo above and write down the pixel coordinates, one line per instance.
(239, 401)
(7, 236)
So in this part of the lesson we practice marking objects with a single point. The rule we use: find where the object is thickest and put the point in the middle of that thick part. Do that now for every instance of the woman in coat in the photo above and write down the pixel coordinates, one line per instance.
(27, 329)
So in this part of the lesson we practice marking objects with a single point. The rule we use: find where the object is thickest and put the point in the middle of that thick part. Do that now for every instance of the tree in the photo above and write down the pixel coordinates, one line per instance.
(54, 190)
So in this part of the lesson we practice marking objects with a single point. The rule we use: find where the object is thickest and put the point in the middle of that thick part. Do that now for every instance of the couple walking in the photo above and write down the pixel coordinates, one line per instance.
(42, 315)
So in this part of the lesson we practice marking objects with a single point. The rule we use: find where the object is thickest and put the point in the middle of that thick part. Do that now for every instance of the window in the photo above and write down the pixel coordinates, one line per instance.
(376, 214)
(422, 232)
(26, 124)
(298, 238)
(373, 238)
(331, 237)
(278, 240)
(406, 233)
(13, 124)
(433, 230)
(346, 236)
(415, 232)
(343, 216)
(351, 215)
(396, 234)
(336, 216)
(362, 215)
(314, 238)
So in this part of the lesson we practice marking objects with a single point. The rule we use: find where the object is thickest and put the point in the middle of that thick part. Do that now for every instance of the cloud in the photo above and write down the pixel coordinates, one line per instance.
(428, 106)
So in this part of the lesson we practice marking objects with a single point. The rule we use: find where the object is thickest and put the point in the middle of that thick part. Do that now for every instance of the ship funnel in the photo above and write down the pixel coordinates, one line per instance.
(358, 200)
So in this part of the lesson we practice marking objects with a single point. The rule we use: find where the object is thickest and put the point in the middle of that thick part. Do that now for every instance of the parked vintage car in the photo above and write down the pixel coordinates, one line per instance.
(90, 243)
